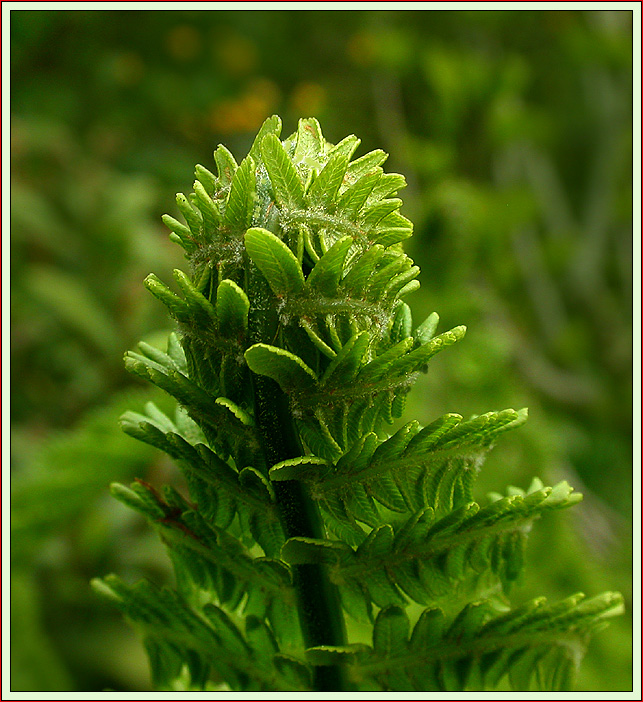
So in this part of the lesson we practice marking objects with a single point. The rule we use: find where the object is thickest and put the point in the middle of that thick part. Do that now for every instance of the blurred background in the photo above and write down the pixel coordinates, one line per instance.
(514, 131)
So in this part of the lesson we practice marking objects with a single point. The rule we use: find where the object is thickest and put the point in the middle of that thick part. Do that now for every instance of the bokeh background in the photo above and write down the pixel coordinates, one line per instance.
(514, 131)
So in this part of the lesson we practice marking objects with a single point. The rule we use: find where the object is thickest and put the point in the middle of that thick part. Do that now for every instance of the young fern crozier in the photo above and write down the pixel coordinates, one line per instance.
(306, 518)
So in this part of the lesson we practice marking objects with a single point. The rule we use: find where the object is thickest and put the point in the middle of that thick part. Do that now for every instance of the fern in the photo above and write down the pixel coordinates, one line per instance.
(293, 356)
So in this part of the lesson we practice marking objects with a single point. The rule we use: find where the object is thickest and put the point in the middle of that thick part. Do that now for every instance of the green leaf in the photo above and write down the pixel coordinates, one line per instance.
(177, 307)
(304, 468)
(360, 503)
(365, 163)
(207, 179)
(200, 307)
(230, 636)
(402, 324)
(310, 142)
(296, 673)
(377, 543)
(426, 331)
(402, 284)
(292, 374)
(302, 550)
(346, 147)
(192, 217)
(185, 391)
(235, 410)
(358, 457)
(429, 437)
(379, 366)
(414, 361)
(429, 627)
(356, 280)
(353, 198)
(271, 126)
(160, 358)
(316, 436)
(260, 637)
(393, 262)
(394, 446)
(286, 184)
(388, 185)
(226, 165)
(392, 229)
(209, 211)
(391, 631)
(276, 261)
(343, 368)
(241, 199)
(184, 234)
(325, 276)
(256, 484)
(324, 189)
(371, 216)
(232, 309)
(138, 498)
(316, 339)
(103, 587)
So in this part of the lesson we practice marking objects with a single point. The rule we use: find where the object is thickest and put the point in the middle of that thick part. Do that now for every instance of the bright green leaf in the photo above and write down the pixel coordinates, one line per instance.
(292, 374)
(286, 184)
(276, 261)
(232, 309)
(241, 199)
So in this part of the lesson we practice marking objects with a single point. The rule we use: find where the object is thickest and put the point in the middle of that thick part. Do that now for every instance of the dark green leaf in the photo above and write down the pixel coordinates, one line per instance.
(391, 631)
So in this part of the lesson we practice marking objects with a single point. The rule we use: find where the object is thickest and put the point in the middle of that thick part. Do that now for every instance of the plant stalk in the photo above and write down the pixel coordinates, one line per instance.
(319, 606)
(320, 612)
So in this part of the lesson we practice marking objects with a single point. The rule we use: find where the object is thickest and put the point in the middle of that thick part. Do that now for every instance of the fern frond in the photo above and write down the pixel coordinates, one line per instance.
(206, 640)
(536, 646)
(426, 557)
(411, 471)
(213, 561)
(292, 358)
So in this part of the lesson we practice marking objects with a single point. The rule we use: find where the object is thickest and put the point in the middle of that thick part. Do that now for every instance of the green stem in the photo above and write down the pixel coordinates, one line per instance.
(319, 606)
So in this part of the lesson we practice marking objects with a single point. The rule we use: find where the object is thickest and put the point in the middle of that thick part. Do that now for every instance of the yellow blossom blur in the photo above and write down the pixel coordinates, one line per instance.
(361, 48)
(184, 42)
(128, 69)
(246, 112)
(308, 98)
(235, 54)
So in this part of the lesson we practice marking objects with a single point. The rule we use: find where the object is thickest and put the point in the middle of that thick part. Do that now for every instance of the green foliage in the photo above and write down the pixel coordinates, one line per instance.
(536, 645)
(294, 355)
(59, 507)
(66, 477)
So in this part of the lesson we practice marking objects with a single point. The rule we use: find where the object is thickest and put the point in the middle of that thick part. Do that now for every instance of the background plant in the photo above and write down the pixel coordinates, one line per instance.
(92, 120)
